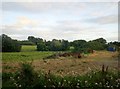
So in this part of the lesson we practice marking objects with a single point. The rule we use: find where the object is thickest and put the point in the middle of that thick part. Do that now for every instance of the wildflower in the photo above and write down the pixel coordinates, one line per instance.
(11, 77)
(48, 79)
(19, 86)
(118, 80)
(90, 76)
(53, 86)
(111, 77)
(86, 81)
(18, 77)
(96, 83)
(38, 75)
(59, 83)
(117, 85)
(64, 80)
(15, 84)
(100, 83)
(94, 72)
(44, 86)
(68, 73)
(78, 80)
(78, 84)
(111, 86)
(107, 83)
(69, 82)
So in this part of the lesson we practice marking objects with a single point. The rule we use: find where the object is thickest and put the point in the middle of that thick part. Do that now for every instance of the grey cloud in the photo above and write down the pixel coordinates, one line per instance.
(38, 7)
(11, 30)
(111, 19)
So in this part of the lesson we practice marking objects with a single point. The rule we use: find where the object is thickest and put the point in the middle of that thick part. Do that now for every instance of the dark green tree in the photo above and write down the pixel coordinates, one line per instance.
(42, 47)
(96, 45)
(80, 46)
(65, 45)
(10, 45)
(34, 40)
(55, 45)
(101, 40)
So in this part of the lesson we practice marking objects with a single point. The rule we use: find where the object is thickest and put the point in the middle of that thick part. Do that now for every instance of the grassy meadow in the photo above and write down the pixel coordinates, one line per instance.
(62, 65)
(27, 53)
(60, 72)
(28, 48)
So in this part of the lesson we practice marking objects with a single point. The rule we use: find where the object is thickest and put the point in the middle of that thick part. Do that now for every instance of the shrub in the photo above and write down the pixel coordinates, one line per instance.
(26, 77)
(10, 45)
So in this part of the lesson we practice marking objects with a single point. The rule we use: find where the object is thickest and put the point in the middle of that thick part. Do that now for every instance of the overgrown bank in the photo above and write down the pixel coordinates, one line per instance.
(27, 78)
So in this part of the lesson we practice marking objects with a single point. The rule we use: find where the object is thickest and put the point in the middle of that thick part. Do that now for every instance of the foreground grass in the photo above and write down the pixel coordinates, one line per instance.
(24, 56)
(27, 78)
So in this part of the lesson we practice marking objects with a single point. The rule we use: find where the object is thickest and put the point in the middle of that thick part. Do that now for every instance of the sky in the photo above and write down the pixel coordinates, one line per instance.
(60, 20)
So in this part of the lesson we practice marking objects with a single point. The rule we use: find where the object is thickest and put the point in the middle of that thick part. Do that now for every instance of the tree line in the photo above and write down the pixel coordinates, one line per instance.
(10, 45)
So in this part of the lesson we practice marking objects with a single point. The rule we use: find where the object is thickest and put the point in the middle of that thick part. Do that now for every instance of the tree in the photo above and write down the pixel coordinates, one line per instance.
(101, 40)
(34, 40)
(80, 46)
(55, 45)
(98, 44)
(9, 45)
(65, 45)
(42, 47)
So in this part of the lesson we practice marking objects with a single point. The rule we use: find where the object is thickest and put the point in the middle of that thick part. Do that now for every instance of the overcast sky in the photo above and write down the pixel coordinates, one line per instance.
(60, 20)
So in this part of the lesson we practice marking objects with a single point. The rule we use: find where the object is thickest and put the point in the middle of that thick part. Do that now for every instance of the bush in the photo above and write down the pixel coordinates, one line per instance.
(10, 45)
(26, 77)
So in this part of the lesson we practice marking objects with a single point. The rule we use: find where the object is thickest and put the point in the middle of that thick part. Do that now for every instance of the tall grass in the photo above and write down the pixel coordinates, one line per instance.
(27, 78)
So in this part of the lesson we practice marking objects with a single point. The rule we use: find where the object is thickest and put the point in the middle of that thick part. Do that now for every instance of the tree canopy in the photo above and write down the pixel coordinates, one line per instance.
(9, 45)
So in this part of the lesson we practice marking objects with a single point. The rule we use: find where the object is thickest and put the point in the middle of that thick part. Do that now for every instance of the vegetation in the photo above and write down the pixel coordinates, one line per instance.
(24, 56)
(24, 76)
(27, 78)
(34, 40)
(26, 42)
(28, 48)
(9, 45)
(81, 46)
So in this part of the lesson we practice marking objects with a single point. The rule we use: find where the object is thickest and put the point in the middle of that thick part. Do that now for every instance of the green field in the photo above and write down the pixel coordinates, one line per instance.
(27, 53)
(21, 56)
(28, 48)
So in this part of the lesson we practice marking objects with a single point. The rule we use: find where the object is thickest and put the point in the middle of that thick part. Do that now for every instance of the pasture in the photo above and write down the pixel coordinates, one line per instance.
(59, 66)
(28, 48)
